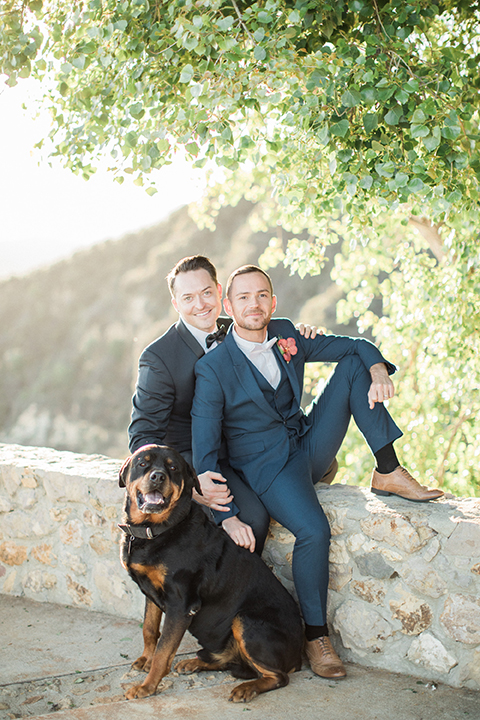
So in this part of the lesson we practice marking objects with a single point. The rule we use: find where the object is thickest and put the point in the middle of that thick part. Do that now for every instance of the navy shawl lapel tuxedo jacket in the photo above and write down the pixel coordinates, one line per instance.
(229, 398)
(163, 396)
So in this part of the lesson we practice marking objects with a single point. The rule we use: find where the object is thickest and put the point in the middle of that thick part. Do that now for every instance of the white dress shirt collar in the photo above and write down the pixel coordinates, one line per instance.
(201, 336)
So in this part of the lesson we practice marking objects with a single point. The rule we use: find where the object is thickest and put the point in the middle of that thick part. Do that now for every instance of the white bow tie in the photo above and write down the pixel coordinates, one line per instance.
(263, 347)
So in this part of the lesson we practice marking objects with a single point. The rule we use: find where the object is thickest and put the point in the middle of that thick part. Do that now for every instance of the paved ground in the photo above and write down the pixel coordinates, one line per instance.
(71, 664)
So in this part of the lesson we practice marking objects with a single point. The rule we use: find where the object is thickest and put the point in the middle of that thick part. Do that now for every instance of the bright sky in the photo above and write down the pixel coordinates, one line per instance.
(48, 213)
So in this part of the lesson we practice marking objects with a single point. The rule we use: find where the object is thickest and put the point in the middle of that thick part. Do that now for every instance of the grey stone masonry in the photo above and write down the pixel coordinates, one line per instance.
(404, 577)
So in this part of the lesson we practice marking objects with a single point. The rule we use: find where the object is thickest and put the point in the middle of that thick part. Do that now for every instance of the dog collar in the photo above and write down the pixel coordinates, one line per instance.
(140, 532)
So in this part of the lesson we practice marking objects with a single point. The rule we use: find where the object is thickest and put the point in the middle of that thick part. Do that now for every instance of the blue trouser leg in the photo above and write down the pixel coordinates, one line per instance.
(292, 501)
(344, 396)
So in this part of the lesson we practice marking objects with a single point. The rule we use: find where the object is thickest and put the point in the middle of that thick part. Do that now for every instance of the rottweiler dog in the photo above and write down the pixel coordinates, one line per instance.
(189, 569)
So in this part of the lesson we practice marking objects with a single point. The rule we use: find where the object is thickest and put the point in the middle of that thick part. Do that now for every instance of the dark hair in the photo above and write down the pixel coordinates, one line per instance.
(246, 270)
(187, 264)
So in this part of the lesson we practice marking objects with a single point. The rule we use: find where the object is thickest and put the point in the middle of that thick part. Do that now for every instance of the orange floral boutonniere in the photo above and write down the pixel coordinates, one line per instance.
(287, 347)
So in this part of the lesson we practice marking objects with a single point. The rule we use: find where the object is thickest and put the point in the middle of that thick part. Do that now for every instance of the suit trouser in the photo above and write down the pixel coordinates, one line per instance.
(291, 498)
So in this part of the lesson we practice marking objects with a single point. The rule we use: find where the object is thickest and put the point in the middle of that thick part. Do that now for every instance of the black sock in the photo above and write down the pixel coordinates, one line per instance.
(312, 632)
(386, 459)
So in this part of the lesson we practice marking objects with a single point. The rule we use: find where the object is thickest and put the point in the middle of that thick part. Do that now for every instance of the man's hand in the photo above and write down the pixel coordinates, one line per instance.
(240, 533)
(382, 387)
(308, 331)
(214, 496)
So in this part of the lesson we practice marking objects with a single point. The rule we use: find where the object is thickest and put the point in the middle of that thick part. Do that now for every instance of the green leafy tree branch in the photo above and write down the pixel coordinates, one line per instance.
(356, 119)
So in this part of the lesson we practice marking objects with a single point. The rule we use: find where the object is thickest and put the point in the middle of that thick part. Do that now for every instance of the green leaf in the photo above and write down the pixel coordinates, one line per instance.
(366, 182)
(431, 142)
(393, 116)
(259, 53)
(259, 34)
(186, 74)
(370, 122)
(294, 17)
(416, 185)
(351, 98)
(151, 191)
(226, 23)
(418, 131)
(418, 117)
(402, 96)
(340, 129)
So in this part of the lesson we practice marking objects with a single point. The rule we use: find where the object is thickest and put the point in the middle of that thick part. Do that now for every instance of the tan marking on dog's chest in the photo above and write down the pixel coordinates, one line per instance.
(155, 573)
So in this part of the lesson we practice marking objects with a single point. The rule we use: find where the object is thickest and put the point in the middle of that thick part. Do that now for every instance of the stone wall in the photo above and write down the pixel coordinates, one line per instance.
(405, 578)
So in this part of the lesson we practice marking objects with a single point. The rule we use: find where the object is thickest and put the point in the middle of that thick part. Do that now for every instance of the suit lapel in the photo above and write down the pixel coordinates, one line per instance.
(188, 338)
(246, 376)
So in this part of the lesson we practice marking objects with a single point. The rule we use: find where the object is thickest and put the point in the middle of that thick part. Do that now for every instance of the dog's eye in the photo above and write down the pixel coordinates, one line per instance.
(142, 464)
(172, 467)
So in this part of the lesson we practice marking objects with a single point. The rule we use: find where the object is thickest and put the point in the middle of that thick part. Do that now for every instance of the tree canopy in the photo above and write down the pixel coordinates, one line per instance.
(356, 119)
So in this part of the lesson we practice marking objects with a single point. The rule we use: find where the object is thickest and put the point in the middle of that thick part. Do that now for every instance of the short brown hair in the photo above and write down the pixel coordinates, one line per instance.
(246, 270)
(188, 264)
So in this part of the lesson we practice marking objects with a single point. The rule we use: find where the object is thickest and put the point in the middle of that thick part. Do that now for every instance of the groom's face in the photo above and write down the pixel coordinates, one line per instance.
(250, 301)
(197, 299)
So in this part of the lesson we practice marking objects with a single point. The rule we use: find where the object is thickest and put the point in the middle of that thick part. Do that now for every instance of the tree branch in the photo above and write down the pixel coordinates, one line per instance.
(431, 235)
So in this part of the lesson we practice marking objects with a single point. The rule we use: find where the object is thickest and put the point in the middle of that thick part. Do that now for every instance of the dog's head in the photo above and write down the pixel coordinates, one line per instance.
(156, 478)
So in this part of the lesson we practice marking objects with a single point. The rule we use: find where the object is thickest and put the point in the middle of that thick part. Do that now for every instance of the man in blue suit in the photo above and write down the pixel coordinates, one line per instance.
(250, 389)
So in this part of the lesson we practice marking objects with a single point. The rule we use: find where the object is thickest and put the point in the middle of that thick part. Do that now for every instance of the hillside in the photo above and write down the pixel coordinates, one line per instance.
(72, 332)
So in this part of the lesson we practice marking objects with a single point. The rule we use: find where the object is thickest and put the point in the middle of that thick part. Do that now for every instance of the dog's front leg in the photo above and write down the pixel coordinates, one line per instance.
(151, 633)
(174, 628)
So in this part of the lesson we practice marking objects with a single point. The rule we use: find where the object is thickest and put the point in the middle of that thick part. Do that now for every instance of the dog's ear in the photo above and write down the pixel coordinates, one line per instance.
(192, 475)
(122, 475)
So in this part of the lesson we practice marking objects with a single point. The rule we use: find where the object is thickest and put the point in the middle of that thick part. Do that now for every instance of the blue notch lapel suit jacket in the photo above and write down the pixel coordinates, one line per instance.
(228, 397)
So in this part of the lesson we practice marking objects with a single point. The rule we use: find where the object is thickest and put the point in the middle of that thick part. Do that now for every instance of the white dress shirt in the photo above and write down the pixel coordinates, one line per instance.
(201, 336)
(262, 356)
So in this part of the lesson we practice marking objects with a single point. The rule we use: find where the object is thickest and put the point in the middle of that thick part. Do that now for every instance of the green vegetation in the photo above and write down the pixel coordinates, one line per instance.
(355, 118)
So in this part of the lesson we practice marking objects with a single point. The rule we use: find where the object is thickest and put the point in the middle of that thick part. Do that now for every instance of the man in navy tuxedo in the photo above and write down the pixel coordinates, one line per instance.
(163, 396)
(250, 391)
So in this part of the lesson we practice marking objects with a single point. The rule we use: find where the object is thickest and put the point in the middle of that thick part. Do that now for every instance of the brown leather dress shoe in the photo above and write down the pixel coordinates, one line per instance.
(401, 483)
(323, 659)
(329, 476)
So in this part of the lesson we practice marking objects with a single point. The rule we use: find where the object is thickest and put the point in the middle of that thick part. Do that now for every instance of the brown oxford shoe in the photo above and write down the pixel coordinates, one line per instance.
(401, 483)
(329, 476)
(323, 659)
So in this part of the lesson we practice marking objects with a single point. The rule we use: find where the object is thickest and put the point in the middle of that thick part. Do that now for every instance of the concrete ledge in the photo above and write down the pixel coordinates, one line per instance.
(405, 578)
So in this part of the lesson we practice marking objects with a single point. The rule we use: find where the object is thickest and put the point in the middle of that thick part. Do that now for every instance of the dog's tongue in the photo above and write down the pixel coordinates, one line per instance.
(154, 498)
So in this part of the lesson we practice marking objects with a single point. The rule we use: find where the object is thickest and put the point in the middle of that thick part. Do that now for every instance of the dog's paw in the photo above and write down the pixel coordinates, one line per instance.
(185, 667)
(244, 692)
(142, 663)
(139, 691)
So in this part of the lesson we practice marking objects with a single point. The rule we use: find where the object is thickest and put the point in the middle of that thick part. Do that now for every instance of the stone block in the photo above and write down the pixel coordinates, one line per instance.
(423, 578)
(43, 553)
(428, 651)
(72, 533)
(431, 550)
(100, 545)
(414, 614)
(5, 504)
(340, 575)
(12, 554)
(361, 627)
(80, 595)
(61, 489)
(338, 552)
(394, 530)
(465, 539)
(37, 581)
(373, 565)
(461, 618)
(372, 591)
